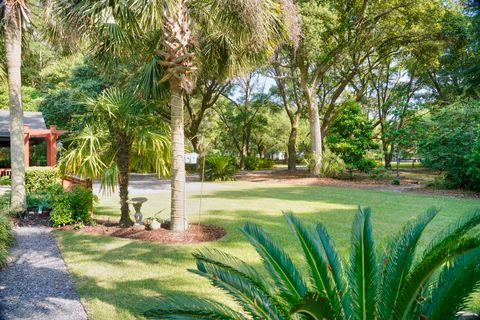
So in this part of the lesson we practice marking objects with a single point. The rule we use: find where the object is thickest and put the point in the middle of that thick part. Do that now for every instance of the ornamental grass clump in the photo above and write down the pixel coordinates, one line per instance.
(402, 282)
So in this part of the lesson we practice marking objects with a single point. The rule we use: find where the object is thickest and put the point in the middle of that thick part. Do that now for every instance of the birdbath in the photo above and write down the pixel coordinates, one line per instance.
(137, 205)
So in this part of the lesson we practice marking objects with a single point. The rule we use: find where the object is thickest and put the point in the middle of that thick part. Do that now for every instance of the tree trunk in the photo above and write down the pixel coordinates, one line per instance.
(123, 164)
(292, 143)
(179, 63)
(316, 137)
(388, 159)
(178, 213)
(13, 49)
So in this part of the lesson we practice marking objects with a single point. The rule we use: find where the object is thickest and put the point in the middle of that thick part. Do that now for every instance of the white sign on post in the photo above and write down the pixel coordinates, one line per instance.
(191, 158)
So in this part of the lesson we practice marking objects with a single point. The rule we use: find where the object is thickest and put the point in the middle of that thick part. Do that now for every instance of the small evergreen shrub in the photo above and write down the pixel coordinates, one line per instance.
(252, 163)
(39, 179)
(332, 165)
(71, 207)
(5, 180)
(6, 239)
(219, 168)
(266, 164)
(381, 173)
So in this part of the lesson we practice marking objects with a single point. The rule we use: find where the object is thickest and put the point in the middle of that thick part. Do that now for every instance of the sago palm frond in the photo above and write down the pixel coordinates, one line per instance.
(395, 287)
(397, 261)
(456, 282)
(185, 308)
(318, 266)
(451, 242)
(280, 266)
(363, 269)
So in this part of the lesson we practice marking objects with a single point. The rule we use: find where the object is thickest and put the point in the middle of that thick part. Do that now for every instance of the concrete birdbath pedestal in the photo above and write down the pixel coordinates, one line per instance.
(137, 205)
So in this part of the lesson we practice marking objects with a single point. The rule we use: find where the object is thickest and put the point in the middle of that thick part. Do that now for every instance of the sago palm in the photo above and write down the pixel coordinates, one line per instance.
(174, 38)
(120, 134)
(13, 19)
(400, 284)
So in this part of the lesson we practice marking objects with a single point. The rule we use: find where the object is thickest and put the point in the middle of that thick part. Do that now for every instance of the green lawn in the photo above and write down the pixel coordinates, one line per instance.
(119, 279)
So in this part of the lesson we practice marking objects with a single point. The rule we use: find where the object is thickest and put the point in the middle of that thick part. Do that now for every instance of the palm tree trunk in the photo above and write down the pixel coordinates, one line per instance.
(123, 156)
(179, 63)
(178, 213)
(13, 49)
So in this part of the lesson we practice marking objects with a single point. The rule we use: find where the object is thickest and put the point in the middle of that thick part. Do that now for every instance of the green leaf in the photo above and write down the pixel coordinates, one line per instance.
(186, 308)
(317, 265)
(314, 306)
(397, 262)
(280, 266)
(363, 269)
(453, 287)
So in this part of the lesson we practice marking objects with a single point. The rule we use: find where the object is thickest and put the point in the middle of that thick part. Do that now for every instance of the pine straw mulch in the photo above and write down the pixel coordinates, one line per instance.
(195, 233)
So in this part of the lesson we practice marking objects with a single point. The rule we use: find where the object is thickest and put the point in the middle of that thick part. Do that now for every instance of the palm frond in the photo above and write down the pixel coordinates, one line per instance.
(336, 268)
(397, 261)
(317, 264)
(314, 306)
(185, 308)
(455, 284)
(424, 269)
(363, 269)
(251, 298)
(278, 263)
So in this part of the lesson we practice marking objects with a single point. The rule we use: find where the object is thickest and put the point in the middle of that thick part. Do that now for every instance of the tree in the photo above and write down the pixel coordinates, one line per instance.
(450, 137)
(288, 91)
(13, 19)
(351, 136)
(120, 134)
(369, 286)
(338, 39)
(240, 111)
(176, 37)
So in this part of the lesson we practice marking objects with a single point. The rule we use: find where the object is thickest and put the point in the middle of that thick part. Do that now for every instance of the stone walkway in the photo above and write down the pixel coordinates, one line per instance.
(36, 283)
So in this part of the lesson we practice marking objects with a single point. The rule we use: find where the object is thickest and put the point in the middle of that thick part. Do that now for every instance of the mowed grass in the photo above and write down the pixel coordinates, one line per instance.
(119, 279)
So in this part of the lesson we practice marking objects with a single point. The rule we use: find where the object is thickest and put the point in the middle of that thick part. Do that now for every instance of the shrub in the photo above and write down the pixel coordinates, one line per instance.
(219, 168)
(266, 164)
(39, 179)
(332, 165)
(474, 164)
(381, 173)
(5, 180)
(368, 286)
(6, 238)
(450, 142)
(252, 163)
(72, 207)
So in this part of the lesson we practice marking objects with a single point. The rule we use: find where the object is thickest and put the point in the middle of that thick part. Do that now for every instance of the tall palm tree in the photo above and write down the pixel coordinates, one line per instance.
(14, 18)
(398, 285)
(120, 134)
(177, 37)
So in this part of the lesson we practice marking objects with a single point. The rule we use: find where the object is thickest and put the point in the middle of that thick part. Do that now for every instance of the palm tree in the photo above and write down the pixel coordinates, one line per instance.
(13, 18)
(177, 37)
(120, 134)
(398, 285)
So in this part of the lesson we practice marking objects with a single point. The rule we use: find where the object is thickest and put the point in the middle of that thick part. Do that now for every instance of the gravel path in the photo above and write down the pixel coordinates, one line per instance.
(36, 283)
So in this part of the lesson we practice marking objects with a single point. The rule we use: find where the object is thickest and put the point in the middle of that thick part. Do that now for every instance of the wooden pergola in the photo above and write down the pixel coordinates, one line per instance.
(34, 131)
(50, 135)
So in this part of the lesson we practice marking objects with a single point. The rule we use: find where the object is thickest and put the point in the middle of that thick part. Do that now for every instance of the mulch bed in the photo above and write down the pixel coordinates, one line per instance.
(195, 233)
